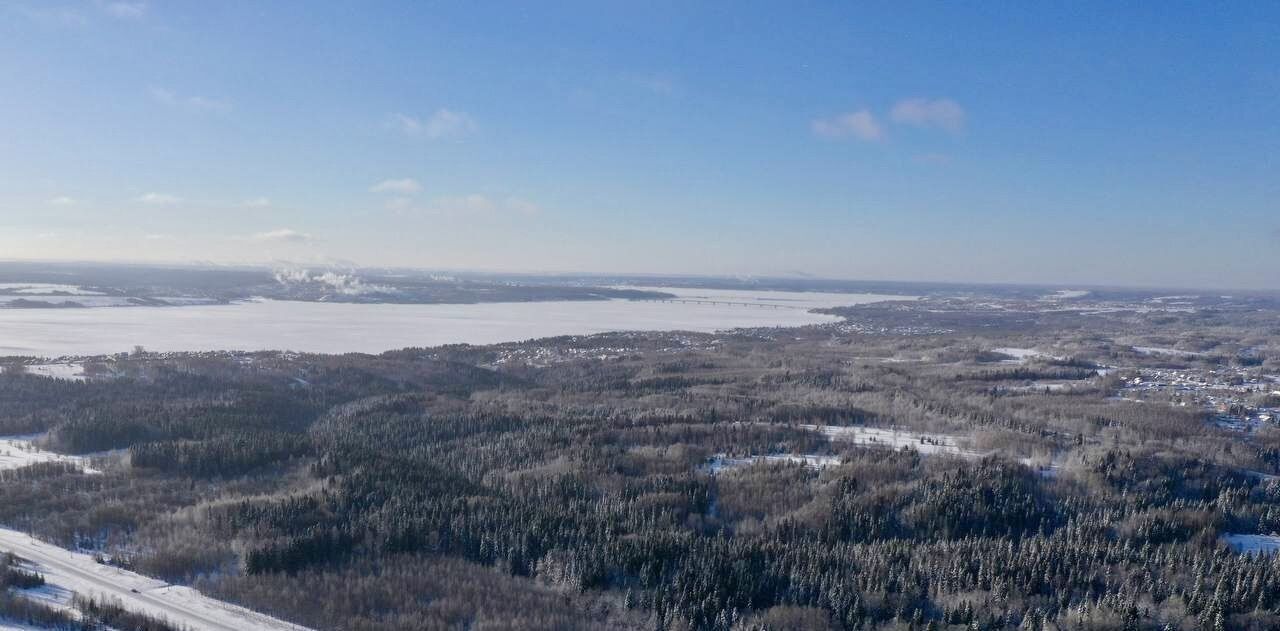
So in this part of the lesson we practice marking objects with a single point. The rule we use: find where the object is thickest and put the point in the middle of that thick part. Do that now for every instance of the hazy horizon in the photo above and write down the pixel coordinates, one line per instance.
(795, 276)
(1089, 144)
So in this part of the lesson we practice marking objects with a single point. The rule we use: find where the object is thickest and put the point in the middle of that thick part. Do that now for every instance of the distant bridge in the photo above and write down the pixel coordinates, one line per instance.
(730, 303)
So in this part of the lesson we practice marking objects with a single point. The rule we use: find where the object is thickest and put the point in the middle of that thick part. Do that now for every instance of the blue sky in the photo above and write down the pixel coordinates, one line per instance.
(1023, 142)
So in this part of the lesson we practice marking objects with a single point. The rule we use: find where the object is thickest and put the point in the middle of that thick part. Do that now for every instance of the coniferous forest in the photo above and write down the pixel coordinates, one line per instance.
(897, 470)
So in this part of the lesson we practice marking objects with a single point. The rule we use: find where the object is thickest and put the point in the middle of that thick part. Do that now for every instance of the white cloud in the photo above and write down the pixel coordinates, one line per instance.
(158, 199)
(943, 114)
(861, 124)
(170, 98)
(157, 237)
(283, 235)
(405, 186)
(132, 10)
(62, 201)
(444, 123)
(256, 202)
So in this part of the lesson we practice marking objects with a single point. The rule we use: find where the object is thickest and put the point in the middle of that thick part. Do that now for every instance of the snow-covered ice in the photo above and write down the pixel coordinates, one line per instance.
(345, 327)
(80, 573)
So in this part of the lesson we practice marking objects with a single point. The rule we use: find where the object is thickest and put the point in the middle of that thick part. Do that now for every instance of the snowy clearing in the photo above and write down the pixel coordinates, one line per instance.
(1253, 544)
(1020, 355)
(1067, 294)
(894, 439)
(46, 289)
(68, 571)
(70, 371)
(1157, 350)
(721, 462)
(20, 451)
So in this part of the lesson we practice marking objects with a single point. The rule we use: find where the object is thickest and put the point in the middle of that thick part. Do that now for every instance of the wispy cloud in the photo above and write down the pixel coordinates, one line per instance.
(158, 199)
(861, 124)
(170, 98)
(62, 201)
(405, 186)
(155, 236)
(256, 202)
(282, 235)
(942, 114)
(443, 123)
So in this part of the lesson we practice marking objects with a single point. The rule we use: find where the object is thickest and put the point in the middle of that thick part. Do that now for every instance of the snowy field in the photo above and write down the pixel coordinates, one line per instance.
(339, 328)
(894, 439)
(1156, 350)
(20, 451)
(803, 300)
(867, 436)
(46, 289)
(71, 371)
(1253, 544)
(68, 572)
(1019, 355)
(721, 462)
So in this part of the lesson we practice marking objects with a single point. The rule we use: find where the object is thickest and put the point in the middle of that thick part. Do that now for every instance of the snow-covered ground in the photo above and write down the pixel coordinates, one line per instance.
(720, 462)
(71, 371)
(44, 289)
(1157, 350)
(68, 572)
(1019, 355)
(1067, 294)
(13, 626)
(894, 439)
(20, 451)
(1253, 544)
(794, 299)
(344, 327)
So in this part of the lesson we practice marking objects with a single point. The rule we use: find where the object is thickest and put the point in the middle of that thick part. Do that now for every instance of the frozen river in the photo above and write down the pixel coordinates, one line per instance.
(371, 328)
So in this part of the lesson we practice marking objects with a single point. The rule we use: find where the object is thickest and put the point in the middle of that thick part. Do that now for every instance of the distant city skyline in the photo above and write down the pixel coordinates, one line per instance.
(1087, 144)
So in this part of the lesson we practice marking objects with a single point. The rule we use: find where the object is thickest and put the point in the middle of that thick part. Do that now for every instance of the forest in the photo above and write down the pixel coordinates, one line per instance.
(901, 469)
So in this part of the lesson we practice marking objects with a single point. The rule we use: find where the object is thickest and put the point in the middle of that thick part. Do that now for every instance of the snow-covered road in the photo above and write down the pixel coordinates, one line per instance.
(80, 573)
